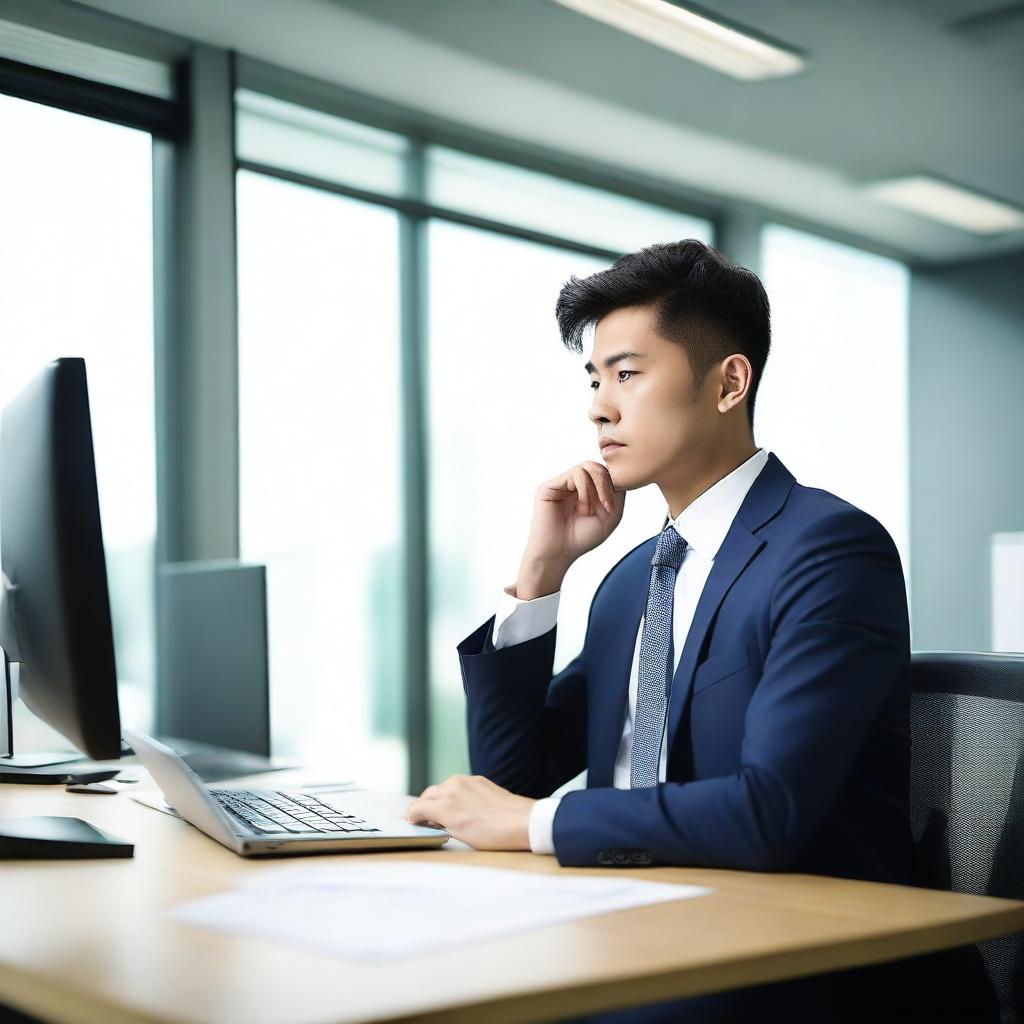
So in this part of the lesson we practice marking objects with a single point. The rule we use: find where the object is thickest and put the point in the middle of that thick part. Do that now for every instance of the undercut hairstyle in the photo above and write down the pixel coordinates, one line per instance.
(702, 300)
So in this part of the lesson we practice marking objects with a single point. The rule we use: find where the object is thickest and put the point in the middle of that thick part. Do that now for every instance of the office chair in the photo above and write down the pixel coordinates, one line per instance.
(967, 791)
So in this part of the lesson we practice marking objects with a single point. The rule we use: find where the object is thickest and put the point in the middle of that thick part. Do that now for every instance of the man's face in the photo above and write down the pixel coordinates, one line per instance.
(646, 401)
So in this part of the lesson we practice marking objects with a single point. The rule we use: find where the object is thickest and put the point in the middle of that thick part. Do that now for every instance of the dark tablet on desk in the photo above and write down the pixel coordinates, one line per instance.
(54, 836)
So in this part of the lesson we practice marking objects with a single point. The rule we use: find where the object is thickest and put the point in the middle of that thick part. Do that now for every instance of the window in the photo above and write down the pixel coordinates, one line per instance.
(508, 409)
(76, 279)
(321, 417)
(833, 404)
(528, 199)
(319, 435)
(274, 132)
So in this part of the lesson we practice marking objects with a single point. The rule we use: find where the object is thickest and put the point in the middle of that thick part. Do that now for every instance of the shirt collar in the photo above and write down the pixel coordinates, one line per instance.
(704, 523)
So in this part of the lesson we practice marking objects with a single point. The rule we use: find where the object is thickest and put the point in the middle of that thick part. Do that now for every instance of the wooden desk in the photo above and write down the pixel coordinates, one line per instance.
(87, 942)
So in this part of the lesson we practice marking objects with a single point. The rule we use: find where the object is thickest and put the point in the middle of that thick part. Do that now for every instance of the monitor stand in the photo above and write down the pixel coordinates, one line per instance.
(37, 767)
(39, 759)
(52, 773)
(44, 836)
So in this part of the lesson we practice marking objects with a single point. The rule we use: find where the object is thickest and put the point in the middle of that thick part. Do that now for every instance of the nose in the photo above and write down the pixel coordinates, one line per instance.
(601, 410)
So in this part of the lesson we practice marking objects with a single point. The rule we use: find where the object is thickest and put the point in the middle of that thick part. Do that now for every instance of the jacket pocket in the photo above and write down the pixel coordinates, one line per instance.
(719, 665)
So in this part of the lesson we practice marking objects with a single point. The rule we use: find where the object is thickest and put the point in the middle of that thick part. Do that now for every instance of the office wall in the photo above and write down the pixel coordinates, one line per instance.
(966, 432)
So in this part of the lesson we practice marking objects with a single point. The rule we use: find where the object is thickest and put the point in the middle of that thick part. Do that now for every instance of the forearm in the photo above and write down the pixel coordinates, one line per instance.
(526, 730)
(737, 821)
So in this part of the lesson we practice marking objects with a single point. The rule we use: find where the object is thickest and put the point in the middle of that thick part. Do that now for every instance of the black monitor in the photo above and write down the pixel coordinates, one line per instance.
(54, 604)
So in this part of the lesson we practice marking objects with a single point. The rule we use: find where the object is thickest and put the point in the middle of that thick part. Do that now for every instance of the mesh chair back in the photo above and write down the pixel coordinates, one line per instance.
(967, 791)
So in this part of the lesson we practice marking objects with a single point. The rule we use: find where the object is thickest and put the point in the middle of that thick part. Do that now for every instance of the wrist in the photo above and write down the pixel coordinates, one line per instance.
(524, 835)
(539, 578)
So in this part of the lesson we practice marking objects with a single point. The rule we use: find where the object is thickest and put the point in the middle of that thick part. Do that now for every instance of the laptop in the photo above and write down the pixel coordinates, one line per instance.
(278, 822)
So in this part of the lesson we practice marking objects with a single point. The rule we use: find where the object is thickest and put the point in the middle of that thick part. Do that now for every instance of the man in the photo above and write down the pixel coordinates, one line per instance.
(742, 696)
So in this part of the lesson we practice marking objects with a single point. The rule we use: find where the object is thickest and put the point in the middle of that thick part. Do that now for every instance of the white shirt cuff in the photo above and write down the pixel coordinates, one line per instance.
(517, 621)
(542, 817)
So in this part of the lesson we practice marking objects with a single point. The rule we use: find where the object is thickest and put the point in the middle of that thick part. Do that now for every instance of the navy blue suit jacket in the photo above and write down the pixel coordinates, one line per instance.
(788, 731)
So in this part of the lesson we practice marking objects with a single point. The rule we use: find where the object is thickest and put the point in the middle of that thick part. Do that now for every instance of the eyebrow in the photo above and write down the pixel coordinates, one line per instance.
(612, 360)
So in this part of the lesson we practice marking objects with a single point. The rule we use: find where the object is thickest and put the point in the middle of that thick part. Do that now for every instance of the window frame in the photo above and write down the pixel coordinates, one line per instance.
(414, 216)
(195, 164)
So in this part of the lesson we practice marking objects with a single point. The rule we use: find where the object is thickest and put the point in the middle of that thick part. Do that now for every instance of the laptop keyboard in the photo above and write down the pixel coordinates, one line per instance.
(277, 811)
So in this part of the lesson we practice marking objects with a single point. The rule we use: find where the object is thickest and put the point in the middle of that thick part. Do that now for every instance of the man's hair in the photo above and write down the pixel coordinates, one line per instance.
(703, 301)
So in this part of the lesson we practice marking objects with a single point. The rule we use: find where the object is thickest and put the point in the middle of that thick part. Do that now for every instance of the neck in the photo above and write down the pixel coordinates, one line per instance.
(693, 478)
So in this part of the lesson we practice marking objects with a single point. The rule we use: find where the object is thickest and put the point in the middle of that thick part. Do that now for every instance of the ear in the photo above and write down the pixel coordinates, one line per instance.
(737, 373)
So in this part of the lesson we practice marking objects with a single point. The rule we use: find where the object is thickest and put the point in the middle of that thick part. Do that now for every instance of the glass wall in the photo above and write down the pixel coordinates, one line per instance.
(76, 279)
(284, 135)
(838, 365)
(508, 409)
(320, 412)
(319, 433)
(554, 206)
(321, 417)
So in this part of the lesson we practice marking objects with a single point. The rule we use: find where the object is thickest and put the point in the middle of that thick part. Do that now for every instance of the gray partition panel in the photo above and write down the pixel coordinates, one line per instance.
(213, 675)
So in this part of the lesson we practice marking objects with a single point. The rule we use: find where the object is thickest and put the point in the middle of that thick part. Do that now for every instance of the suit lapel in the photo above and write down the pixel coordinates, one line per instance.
(612, 662)
(765, 497)
(735, 554)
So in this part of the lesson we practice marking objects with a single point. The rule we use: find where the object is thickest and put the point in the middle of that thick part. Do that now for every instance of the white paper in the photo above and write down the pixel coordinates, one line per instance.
(155, 799)
(378, 913)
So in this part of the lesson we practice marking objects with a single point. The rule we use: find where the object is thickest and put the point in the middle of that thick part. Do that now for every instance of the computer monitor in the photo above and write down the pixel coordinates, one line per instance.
(54, 604)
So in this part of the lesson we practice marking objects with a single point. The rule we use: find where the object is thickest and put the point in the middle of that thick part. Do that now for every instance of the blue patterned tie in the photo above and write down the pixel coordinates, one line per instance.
(655, 670)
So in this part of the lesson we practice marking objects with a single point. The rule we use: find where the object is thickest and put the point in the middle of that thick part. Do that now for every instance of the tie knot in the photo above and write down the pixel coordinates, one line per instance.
(670, 550)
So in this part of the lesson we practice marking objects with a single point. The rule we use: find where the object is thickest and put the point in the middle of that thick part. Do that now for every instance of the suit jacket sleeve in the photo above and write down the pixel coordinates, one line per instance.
(527, 731)
(839, 643)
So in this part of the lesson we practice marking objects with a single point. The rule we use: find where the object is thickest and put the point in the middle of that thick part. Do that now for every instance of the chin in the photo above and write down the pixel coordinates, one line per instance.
(626, 479)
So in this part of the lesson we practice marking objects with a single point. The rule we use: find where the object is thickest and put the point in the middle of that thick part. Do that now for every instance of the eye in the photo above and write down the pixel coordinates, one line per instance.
(594, 383)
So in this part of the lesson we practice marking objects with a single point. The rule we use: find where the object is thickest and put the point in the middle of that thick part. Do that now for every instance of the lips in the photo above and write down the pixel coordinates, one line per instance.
(611, 446)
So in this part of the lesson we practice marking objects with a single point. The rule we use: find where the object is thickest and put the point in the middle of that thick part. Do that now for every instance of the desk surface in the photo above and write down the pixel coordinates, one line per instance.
(86, 941)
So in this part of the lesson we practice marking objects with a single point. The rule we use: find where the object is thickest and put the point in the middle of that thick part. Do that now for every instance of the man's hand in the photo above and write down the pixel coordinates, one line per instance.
(476, 811)
(573, 513)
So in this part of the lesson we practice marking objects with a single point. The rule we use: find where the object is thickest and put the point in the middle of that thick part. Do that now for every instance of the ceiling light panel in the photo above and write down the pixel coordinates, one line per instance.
(949, 203)
(694, 36)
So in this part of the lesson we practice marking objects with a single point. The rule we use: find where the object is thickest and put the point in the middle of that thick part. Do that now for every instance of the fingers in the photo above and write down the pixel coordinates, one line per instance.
(594, 486)
(602, 481)
(585, 491)
(430, 801)
(422, 809)
(589, 481)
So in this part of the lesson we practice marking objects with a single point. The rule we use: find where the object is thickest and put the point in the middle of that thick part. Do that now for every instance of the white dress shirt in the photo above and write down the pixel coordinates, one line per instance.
(703, 524)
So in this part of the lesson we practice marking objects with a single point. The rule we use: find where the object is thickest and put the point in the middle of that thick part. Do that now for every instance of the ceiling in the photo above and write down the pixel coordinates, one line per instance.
(892, 87)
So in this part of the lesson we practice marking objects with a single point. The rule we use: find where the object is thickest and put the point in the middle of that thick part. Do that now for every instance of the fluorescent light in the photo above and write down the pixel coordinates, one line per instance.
(948, 203)
(694, 36)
